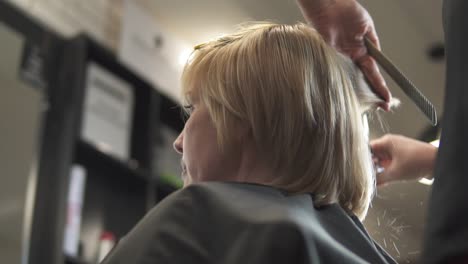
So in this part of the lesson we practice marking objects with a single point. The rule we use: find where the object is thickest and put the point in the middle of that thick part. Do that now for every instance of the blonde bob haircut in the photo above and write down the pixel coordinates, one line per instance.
(303, 104)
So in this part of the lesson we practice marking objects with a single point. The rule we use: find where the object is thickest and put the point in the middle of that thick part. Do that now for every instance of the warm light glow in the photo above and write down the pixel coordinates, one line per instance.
(426, 181)
(184, 56)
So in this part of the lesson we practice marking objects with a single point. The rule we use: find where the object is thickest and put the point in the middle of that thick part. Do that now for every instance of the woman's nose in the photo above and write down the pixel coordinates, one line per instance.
(179, 142)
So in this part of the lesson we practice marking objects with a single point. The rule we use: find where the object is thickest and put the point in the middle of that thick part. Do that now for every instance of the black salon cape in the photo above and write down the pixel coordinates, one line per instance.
(229, 223)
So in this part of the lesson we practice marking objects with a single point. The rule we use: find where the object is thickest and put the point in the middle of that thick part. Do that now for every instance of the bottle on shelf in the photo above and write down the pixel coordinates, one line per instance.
(106, 243)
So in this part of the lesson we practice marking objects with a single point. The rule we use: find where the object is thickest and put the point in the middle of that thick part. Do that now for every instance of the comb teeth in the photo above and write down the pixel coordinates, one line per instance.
(406, 85)
(421, 101)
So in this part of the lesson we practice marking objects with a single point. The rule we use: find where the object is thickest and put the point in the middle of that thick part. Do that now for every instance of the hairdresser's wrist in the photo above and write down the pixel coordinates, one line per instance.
(429, 156)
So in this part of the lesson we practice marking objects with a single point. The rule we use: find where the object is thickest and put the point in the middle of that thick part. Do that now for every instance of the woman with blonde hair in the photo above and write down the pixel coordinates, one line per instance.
(275, 156)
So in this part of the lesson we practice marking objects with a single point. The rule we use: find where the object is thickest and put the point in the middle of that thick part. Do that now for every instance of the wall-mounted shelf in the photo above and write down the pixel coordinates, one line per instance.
(87, 153)
(117, 192)
(70, 260)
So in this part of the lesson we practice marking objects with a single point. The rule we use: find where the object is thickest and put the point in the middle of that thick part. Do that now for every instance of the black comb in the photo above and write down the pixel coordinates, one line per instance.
(405, 84)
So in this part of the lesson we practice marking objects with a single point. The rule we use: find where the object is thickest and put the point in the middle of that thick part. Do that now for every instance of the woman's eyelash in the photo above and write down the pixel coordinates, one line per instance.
(186, 112)
(188, 108)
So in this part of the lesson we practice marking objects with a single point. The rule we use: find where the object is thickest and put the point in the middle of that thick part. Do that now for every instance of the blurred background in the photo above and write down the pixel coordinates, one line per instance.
(88, 113)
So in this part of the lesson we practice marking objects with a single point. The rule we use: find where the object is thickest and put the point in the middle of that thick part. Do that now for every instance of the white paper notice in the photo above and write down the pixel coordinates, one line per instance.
(75, 205)
(108, 112)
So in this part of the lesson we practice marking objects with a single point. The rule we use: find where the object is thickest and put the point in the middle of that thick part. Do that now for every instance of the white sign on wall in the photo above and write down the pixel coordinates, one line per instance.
(108, 112)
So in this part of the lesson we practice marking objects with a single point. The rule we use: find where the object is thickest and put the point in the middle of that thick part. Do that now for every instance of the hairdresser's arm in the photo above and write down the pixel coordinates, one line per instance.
(402, 158)
(344, 24)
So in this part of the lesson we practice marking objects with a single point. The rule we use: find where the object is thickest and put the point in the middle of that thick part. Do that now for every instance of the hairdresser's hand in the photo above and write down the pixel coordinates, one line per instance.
(402, 158)
(344, 24)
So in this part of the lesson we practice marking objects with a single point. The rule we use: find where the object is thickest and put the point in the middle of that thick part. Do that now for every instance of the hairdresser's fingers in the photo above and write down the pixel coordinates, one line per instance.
(382, 156)
(387, 170)
(384, 171)
(382, 89)
(382, 148)
(370, 69)
(384, 178)
(403, 158)
(372, 36)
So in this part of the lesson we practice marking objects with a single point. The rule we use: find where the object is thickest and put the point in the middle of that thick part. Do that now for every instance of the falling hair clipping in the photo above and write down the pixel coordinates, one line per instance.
(199, 46)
